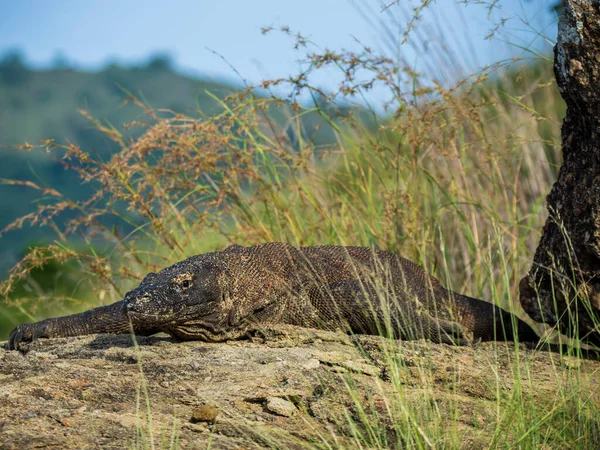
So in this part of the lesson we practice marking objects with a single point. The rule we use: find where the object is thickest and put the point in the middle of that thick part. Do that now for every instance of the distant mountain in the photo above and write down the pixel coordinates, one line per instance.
(36, 105)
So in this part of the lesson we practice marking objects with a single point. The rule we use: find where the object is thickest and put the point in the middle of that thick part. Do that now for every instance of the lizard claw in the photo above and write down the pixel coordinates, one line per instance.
(15, 337)
(26, 333)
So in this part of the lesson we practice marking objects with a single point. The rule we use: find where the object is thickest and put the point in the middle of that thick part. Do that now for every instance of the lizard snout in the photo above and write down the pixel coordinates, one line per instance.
(136, 301)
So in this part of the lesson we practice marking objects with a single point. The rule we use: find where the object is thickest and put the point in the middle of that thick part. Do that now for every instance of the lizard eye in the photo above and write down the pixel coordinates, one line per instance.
(186, 283)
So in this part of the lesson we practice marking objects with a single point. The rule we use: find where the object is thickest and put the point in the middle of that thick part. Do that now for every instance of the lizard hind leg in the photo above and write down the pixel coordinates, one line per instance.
(443, 331)
(410, 322)
(364, 308)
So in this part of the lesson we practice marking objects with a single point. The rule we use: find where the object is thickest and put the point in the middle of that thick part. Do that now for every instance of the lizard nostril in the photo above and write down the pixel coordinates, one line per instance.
(133, 302)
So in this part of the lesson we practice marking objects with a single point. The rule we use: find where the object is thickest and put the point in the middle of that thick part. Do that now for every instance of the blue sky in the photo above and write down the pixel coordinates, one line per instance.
(91, 33)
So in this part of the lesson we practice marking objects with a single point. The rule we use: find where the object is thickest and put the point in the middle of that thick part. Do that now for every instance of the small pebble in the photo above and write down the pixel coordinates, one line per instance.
(280, 406)
(311, 364)
(205, 413)
(196, 427)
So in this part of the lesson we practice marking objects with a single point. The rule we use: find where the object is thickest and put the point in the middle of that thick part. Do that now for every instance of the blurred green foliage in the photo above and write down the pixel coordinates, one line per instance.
(62, 280)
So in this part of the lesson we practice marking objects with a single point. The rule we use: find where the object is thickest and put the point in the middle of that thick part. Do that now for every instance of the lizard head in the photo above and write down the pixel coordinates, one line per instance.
(211, 297)
(191, 291)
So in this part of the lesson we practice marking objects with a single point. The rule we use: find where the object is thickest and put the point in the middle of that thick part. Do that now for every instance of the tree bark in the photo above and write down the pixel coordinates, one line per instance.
(563, 285)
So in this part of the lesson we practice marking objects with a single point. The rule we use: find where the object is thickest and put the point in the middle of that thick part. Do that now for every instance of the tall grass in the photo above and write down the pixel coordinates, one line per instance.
(454, 179)
(453, 176)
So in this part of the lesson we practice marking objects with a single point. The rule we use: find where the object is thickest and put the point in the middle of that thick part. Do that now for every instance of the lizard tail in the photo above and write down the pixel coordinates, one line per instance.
(489, 322)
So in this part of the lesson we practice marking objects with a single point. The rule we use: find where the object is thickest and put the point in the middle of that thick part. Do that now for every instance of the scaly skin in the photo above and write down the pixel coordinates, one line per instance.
(221, 295)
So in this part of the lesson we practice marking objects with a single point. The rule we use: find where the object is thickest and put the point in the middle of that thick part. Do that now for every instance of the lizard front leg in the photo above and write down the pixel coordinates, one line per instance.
(104, 319)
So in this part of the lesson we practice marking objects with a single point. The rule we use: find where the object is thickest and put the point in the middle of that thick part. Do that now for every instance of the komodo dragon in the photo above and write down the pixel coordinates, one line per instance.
(221, 295)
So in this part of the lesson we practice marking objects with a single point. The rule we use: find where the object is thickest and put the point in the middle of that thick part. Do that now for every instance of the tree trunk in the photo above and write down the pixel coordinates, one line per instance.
(563, 285)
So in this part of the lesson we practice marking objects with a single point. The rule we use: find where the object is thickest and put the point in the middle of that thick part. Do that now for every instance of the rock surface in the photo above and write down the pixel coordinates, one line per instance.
(290, 386)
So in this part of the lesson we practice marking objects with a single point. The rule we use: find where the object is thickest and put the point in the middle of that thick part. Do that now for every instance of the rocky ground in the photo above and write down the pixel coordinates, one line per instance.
(285, 388)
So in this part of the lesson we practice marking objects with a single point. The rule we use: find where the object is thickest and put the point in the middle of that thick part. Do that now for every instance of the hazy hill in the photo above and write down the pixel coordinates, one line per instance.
(36, 105)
